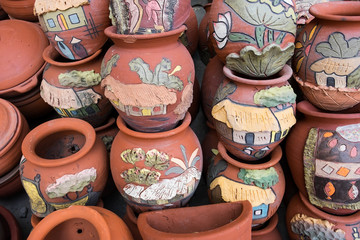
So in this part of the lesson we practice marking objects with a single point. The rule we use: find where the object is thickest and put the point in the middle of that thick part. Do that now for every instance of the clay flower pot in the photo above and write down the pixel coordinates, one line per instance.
(156, 170)
(149, 79)
(326, 61)
(19, 9)
(323, 155)
(254, 38)
(262, 184)
(74, 28)
(253, 116)
(63, 164)
(81, 222)
(207, 222)
(73, 88)
(267, 232)
(9, 227)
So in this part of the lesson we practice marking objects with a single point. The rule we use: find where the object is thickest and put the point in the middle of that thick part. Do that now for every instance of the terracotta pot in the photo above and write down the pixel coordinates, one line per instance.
(64, 164)
(9, 227)
(253, 116)
(74, 29)
(73, 88)
(130, 218)
(81, 222)
(249, 35)
(10, 183)
(263, 184)
(322, 153)
(156, 170)
(19, 9)
(190, 37)
(210, 222)
(302, 11)
(151, 91)
(209, 146)
(269, 231)
(325, 62)
(305, 221)
(206, 49)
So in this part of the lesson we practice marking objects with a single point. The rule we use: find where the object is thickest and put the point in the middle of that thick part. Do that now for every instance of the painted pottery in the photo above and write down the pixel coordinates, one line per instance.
(130, 218)
(207, 222)
(9, 227)
(302, 10)
(156, 170)
(253, 116)
(147, 17)
(73, 88)
(190, 37)
(196, 102)
(255, 38)
(19, 9)
(268, 231)
(263, 184)
(63, 164)
(305, 221)
(81, 222)
(209, 146)
(206, 49)
(326, 61)
(75, 28)
(322, 153)
(149, 79)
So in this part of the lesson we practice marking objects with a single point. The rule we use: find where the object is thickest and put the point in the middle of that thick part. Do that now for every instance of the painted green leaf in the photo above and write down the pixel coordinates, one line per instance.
(274, 96)
(214, 170)
(140, 176)
(353, 79)
(106, 68)
(241, 37)
(157, 160)
(259, 35)
(177, 170)
(133, 155)
(338, 47)
(224, 91)
(263, 178)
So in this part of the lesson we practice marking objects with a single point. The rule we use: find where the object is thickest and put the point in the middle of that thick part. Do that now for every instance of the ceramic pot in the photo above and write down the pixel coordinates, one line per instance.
(325, 62)
(19, 9)
(305, 221)
(63, 164)
(9, 227)
(73, 88)
(81, 222)
(263, 184)
(206, 49)
(149, 79)
(210, 222)
(322, 153)
(156, 170)
(130, 218)
(209, 146)
(10, 183)
(253, 116)
(190, 37)
(267, 232)
(249, 35)
(75, 29)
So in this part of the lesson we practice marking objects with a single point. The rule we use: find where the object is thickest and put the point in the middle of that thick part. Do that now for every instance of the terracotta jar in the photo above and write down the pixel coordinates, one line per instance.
(268, 231)
(207, 222)
(263, 184)
(326, 56)
(9, 227)
(156, 170)
(206, 49)
(254, 38)
(149, 79)
(253, 116)
(305, 221)
(73, 88)
(74, 28)
(322, 153)
(19, 9)
(81, 222)
(190, 37)
(63, 164)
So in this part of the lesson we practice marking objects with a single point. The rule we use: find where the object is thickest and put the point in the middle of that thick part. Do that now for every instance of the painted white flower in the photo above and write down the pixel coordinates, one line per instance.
(222, 29)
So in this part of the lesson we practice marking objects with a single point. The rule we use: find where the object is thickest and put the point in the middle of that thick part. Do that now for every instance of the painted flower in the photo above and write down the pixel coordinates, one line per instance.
(222, 29)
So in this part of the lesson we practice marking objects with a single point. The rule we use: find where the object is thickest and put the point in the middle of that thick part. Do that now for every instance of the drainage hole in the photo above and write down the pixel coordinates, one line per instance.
(79, 231)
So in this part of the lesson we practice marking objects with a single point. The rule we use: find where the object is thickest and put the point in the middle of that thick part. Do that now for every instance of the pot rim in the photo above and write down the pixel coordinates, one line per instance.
(336, 11)
(275, 157)
(12, 223)
(272, 224)
(107, 124)
(283, 76)
(35, 136)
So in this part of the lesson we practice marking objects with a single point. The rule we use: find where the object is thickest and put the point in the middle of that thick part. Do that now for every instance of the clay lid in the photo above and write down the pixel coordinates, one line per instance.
(21, 47)
(9, 127)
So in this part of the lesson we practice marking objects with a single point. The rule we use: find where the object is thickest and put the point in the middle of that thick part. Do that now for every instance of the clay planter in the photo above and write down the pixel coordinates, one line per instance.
(326, 61)
(81, 222)
(206, 49)
(73, 88)
(149, 79)
(74, 28)
(323, 156)
(19, 9)
(207, 222)
(156, 170)
(263, 184)
(252, 37)
(253, 116)
(190, 38)
(9, 227)
(305, 221)
(64, 164)
(268, 232)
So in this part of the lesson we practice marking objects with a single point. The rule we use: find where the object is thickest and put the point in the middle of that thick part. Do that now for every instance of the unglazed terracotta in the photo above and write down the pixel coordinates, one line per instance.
(9, 226)
(253, 116)
(63, 164)
(19, 9)
(190, 37)
(10, 182)
(130, 218)
(75, 28)
(326, 61)
(149, 79)
(305, 221)
(156, 170)
(322, 153)
(73, 88)
(302, 10)
(81, 222)
(255, 38)
(209, 146)
(207, 222)
(206, 49)
(263, 184)
(267, 232)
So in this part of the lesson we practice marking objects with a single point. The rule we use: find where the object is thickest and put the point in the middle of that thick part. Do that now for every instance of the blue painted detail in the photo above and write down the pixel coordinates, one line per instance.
(260, 211)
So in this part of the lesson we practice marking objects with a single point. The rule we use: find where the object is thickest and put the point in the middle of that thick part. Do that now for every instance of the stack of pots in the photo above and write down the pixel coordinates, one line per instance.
(322, 148)
(253, 108)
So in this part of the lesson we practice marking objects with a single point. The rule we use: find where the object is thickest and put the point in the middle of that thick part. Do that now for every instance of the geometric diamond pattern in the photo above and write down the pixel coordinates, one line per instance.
(343, 171)
(357, 171)
(328, 169)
